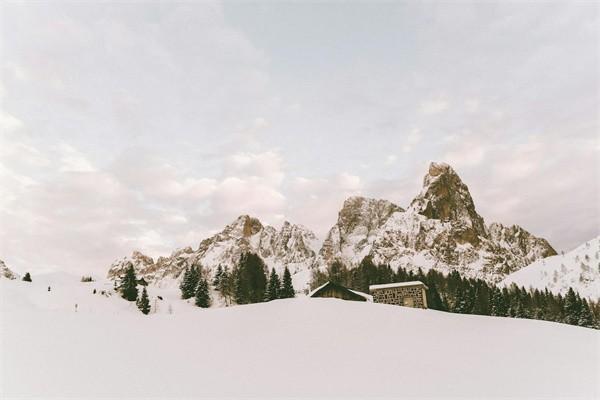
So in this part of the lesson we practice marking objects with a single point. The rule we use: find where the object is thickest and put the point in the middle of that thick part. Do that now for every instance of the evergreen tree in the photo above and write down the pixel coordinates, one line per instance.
(202, 297)
(251, 281)
(185, 284)
(189, 283)
(273, 286)
(572, 308)
(226, 285)
(586, 318)
(218, 275)
(27, 277)
(434, 300)
(143, 302)
(238, 288)
(287, 288)
(129, 284)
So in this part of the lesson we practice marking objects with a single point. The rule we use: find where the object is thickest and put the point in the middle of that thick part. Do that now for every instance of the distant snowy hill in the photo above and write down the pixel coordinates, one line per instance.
(441, 229)
(291, 246)
(579, 269)
(304, 347)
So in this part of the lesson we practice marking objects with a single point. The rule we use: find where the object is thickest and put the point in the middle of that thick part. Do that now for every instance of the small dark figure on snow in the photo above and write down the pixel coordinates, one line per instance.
(48, 288)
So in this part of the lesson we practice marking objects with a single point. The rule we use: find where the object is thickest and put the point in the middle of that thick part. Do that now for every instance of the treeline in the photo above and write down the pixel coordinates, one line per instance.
(247, 282)
(456, 294)
(250, 282)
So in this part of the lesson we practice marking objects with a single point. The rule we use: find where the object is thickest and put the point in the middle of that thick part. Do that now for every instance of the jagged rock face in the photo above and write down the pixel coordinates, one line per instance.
(521, 242)
(142, 265)
(5, 272)
(293, 246)
(440, 230)
(358, 223)
(446, 198)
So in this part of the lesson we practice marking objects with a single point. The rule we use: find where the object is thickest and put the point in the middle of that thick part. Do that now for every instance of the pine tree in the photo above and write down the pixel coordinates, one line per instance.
(226, 285)
(238, 288)
(143, 302)
(287, 288)
(434, 300)
(251, 280)
(27, 277)
(202, 297)
(273, 286)
(129, 284)
(218, 275)
(572, 308)
(189, 283)
(586, 318)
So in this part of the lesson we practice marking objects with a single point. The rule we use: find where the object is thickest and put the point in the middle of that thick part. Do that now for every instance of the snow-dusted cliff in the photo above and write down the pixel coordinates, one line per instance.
(441, 229)
(293, 246)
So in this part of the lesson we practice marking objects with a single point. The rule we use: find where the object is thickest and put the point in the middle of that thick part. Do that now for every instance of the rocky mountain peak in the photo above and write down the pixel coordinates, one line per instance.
(367, 213)
(361, 218)
(293, 246)
(445, 197)
(245, 226)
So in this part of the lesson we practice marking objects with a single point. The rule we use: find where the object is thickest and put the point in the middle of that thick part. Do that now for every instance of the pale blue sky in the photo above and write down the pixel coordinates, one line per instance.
(150, 126)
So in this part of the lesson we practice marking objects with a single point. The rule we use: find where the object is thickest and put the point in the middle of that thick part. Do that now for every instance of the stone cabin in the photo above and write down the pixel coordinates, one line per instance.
(408, 294)
(337, 291)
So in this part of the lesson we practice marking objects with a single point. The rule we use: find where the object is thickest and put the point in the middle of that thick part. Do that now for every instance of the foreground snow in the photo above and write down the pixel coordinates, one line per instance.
(301, 347)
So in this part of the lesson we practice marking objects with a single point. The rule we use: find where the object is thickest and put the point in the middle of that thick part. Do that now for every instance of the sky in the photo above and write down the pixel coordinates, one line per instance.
(150, 126)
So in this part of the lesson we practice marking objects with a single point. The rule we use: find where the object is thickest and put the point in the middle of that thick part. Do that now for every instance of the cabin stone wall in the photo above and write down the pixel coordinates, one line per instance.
(408, 296)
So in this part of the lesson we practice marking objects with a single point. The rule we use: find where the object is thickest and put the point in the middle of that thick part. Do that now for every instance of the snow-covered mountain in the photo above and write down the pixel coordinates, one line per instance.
(441, 229)
(5, 272)
(293, 246)
(579, 269)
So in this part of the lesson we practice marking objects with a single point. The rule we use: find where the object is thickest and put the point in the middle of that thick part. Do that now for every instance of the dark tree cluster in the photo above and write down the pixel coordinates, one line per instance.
(250, 282)
(456, 294)
(195, 285)
(129, 290)
(27, 277)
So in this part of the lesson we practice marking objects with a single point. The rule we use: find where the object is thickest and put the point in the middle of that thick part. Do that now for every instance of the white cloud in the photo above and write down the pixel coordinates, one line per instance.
(433, 106)
(9, 123)
(412, 139)
(73, 160)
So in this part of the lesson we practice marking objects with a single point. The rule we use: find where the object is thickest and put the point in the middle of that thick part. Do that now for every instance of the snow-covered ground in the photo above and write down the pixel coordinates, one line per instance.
(579, 269)
(304, 347)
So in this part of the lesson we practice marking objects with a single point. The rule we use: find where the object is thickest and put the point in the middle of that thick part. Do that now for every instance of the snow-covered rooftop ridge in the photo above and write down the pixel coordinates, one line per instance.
(317, 289)
(398, 284)
(366, 296)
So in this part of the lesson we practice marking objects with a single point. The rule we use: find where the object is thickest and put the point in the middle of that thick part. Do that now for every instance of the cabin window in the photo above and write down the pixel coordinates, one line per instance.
(408, 302)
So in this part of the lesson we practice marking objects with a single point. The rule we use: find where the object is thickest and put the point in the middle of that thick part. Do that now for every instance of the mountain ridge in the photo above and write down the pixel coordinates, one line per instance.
(440, 229)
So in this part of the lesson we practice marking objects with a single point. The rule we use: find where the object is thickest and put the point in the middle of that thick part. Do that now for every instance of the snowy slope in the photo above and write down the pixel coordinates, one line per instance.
(307, 348)
(579, 269)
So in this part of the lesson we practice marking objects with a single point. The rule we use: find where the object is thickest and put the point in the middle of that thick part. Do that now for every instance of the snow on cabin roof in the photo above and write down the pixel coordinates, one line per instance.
(365, 295)
(398, 284)
(317, 289)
